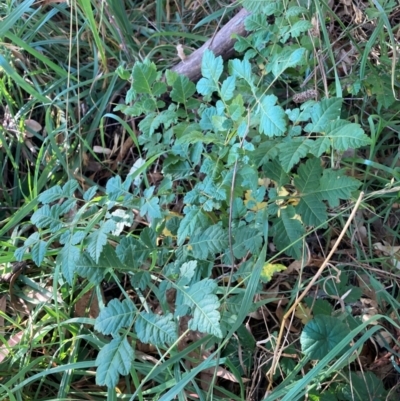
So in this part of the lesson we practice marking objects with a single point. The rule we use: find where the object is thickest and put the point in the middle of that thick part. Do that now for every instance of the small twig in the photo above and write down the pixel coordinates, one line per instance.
(278, 349)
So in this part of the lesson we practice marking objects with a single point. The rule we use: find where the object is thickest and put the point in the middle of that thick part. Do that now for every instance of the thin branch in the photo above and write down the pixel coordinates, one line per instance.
(221, 44)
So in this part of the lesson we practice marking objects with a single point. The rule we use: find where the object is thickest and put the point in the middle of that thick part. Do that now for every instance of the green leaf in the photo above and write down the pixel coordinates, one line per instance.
(363, 386)
(171, 77)
(98, 239)
(292, 151)
(115, 315)
(51, 195)
(66, 206)
(321, 335)
(228, 88)
(47, 216)
(194, 219)
(149, 238)
(293, 11)
(324, 112)
(144, 74)
(241, 69)
(255, 22)
(208, 242)
(150, 206)
(309, 175)
(209, 188)
(275, 172)
(236, 108)
(187, 271)
(38, 249)
(206, 87)
(156, 329)
(197, 136)
(312, 211)
(69, 188)
(311, 208)
(182, 89)
(67, 258)
(141, 279)
(90, 193)
(115, 188)
(132, 251)
(299, 27)
(211, 66)
(288, 231)
(39, 252)
(152, 122)
(288, 58)
(320, 146)
(220, 123)
(272, 117)
(211, 69)
(336, 185)
(113, 359)
(205, 304)
(247, 239)
(95, 272)
(345, 135)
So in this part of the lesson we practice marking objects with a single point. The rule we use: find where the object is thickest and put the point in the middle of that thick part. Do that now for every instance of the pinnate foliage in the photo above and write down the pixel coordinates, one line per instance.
(244, 166)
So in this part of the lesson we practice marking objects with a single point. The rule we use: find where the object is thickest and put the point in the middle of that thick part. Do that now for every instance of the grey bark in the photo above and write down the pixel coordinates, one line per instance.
(221, 45)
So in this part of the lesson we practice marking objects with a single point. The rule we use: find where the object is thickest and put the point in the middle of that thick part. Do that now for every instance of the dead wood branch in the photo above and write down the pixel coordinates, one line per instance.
(221, 45)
